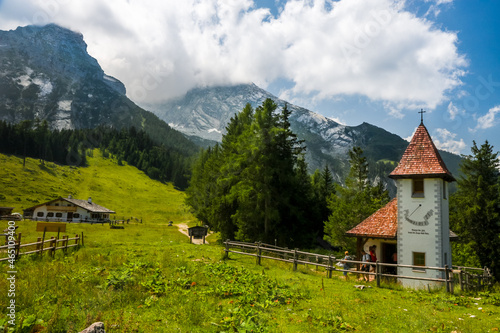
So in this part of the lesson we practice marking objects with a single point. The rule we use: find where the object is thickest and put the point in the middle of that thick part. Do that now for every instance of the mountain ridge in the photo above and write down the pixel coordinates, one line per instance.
(204, 112)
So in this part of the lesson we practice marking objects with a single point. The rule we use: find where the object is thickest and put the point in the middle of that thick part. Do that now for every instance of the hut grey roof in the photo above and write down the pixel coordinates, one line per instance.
(90, 206)
(85, 204)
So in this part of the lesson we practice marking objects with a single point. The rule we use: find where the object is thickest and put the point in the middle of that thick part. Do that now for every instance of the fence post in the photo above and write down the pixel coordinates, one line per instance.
(294, 259)
(53, 244)
(447, 278)
(377, 270)
(258, 253)
(330, 266)
(82, 240)
(18, 245)
(452, 281)
(460, 279)
(226, 250)
(285, 254)
(65, 244)
(38, 240)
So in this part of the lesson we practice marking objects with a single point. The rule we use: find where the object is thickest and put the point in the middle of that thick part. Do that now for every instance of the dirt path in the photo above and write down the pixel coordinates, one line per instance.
(183, 228)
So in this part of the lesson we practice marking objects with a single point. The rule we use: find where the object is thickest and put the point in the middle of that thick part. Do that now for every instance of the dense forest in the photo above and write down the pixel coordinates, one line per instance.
(255, 185)
(71, 147)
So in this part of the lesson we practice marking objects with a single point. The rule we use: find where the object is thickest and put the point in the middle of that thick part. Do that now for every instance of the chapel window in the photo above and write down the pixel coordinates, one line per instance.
(418, 260)
(418, 188)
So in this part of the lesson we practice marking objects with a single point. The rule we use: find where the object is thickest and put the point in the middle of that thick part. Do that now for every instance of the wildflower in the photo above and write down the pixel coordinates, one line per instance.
(193, 284)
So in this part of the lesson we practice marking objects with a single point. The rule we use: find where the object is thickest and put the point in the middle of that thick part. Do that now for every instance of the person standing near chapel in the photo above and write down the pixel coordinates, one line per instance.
(347, 265)
(373, 255)
(365, 267)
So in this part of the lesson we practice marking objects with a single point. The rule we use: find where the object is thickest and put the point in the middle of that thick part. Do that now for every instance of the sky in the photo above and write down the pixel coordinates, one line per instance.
(375, 61)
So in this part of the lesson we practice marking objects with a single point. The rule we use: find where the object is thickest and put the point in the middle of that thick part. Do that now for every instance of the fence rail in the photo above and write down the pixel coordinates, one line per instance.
(39, 247)
(467, 280)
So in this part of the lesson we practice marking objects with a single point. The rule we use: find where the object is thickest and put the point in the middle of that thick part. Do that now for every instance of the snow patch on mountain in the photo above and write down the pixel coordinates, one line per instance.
(44, 84)
(23, 80)
(64, 105)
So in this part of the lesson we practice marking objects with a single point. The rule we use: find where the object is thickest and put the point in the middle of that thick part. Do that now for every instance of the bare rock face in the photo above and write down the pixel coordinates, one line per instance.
(95, 328)
(46, 73)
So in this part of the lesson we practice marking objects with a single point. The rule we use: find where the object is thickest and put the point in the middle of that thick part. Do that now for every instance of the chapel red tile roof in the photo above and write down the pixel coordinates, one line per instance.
(421, 159)
(381, 224)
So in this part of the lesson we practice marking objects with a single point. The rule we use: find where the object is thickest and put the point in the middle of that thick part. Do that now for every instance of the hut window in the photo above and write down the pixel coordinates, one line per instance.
(418, 188)
(58, 214)
(418, 260)
(76, 215)
(39, 214)
(50, 214)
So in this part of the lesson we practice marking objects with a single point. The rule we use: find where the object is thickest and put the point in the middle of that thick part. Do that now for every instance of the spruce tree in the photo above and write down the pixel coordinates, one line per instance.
(354, 202)
(475, 211)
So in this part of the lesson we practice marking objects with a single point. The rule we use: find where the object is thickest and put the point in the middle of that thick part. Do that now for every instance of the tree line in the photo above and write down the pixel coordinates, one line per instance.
(71, 147)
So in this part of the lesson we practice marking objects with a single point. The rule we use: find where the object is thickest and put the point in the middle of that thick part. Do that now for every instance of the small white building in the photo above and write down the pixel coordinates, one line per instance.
(68, 210)
(414, 225)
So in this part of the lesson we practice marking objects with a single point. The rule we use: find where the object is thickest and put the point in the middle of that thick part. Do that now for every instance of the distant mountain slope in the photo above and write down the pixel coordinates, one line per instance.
(204, 112)
(124, 189)
(46, 73)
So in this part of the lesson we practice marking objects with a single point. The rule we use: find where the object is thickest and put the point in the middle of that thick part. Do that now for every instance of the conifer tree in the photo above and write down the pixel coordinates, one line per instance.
(475, 211)
(256, 188)
(354, 202)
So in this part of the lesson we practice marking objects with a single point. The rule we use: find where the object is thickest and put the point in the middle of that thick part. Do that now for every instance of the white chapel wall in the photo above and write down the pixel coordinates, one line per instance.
(423, 228)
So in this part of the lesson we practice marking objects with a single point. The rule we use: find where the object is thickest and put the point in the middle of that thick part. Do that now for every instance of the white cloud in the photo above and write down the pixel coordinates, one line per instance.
(160, 49)
(454, 111)
(435, 8)
(445, 140)
(488, 120)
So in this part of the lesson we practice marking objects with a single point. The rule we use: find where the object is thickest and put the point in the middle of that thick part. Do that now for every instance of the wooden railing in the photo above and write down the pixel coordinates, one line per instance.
(39, 247)
(467, 281)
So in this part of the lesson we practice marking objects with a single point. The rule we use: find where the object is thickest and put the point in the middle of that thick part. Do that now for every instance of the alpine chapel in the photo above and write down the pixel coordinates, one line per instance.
(413, 228)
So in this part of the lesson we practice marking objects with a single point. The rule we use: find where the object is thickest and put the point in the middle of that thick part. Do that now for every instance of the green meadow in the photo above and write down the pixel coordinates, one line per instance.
(147, 277)
(124, 189)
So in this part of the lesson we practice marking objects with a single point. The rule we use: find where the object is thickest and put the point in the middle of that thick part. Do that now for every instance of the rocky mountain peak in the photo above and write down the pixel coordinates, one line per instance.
(56, 50)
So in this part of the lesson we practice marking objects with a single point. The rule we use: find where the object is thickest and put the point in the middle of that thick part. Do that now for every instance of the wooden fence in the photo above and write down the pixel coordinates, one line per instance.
(40, 246)
(467, 280)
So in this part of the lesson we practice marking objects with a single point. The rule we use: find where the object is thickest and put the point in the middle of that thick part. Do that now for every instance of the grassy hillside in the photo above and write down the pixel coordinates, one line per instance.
(148, 278)
(124, 189)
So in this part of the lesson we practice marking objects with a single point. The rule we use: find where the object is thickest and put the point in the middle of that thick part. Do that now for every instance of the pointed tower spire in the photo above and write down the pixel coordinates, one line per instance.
(421, 159)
